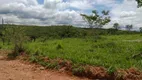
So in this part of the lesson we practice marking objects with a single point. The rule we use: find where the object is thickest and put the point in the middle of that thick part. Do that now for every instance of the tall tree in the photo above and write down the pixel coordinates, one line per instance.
(95, 20)
(139, 3)
(116, 26)
(129, 27)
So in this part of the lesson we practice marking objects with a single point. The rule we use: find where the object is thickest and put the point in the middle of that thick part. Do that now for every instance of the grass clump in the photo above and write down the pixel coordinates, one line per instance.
(59, 46)
(78, 71)
(111, 70)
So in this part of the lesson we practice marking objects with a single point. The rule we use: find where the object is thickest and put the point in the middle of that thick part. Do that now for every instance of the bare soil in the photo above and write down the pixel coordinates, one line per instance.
(20, 70)
(17, 70)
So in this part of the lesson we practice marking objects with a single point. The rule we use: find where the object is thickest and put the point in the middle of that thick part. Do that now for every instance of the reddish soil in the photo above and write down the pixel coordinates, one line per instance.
(17, 70)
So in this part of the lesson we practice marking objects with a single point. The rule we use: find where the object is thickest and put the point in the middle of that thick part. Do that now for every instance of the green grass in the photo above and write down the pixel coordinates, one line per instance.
(109, 51)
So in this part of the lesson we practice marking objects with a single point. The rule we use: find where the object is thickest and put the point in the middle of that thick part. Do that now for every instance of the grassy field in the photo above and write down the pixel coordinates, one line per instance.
(108, 51)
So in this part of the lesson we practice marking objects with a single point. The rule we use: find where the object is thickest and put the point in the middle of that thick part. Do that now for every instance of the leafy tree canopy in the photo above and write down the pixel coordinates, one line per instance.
(139, 3)
(97, 20)
(116, 26)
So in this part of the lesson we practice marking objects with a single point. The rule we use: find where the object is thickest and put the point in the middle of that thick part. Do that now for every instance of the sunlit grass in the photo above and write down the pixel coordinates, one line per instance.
(107, 51)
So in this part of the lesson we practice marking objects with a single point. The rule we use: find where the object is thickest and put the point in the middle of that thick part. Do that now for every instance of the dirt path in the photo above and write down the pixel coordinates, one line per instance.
(16, 70)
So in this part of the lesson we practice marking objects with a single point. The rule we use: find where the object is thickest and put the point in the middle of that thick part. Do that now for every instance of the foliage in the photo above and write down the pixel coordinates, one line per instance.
(111, 70)
(51, 32)
(96, 20)
(139, 3)
(64, 31)
(116, 26)
(59, 47)
(107, 51)
(129, 27)
(16, 35)
(140, 29)
(79, 71)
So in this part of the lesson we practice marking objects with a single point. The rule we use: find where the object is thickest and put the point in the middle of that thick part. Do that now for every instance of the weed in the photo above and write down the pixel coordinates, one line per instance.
(111, 70)
(111, 50)
(59, 46)
(11, 56)
(53, 65)
(78, 71)
(33, 59)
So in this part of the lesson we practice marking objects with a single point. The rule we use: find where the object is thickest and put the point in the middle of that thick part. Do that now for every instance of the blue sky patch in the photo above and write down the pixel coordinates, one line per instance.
(40, 1)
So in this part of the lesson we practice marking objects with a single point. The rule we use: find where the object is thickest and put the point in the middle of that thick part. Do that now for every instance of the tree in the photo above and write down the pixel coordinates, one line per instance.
(116, 26)
(129, 27)
(140, 29)
(17, 36)
(139, 3)
(96, 20)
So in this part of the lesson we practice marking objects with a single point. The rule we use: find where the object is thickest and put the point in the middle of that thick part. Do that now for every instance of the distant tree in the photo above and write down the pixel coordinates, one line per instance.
(139, 3)
(95, 20)
(116, 26)
(129, 27)
(140, 29)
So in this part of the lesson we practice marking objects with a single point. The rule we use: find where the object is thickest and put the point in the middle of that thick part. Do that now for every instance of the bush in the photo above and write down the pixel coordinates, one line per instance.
(59, 46)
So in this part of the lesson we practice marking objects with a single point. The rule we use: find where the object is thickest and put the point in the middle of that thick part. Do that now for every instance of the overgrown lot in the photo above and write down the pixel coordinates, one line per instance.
(119, 51)
(93, 53)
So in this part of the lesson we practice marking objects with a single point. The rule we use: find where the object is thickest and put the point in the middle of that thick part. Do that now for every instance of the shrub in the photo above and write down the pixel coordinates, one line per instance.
(17, 36)
(59, 46)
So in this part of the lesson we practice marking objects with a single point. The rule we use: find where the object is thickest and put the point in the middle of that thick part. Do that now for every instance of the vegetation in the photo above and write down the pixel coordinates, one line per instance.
(140, 29)
(139, 3)
(15, 35)
(76, 49)
(116, 26)
(108, 51)
(129, 27)
(96, 20)
(57, 47)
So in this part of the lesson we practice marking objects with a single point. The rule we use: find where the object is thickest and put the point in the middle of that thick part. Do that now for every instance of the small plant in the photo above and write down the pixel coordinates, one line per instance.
(97, 37)
(44, 64)
(33, 59)
(79, 71)
(110, 44)
(53, 65)
(111, 70)
(59, 46)
(11, 56)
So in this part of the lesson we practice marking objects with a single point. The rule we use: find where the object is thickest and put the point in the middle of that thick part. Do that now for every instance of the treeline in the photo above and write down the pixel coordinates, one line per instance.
(66, 31)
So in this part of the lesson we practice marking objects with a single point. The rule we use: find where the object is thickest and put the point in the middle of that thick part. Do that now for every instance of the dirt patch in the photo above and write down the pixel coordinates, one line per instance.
(17, 70)
(24, 70)
(91, 72)
(129, 74)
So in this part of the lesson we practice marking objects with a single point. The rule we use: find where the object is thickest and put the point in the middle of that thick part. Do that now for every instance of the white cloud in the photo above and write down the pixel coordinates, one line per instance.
(81, 4)
(64, 12)
(30, 12)
(127, 13)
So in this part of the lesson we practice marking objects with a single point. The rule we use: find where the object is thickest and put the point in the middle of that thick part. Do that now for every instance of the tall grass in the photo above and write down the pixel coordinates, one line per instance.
(116, 50)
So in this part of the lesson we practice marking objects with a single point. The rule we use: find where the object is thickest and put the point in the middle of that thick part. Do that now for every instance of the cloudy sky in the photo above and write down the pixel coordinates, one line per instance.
(52, 12)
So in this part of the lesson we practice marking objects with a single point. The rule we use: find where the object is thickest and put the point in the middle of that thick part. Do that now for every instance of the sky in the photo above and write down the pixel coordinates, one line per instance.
(59, 12)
